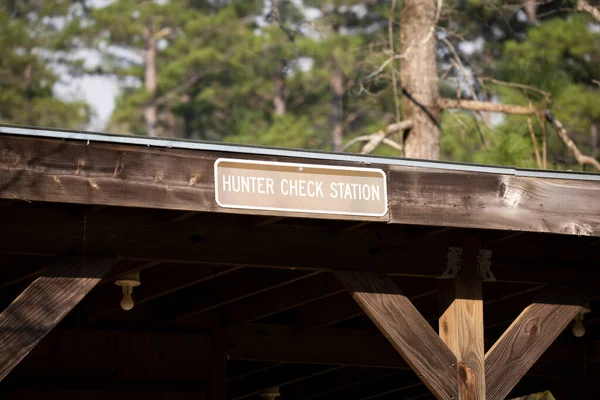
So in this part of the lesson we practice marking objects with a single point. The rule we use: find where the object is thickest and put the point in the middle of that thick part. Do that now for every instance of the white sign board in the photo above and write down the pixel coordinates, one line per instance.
(302, 188)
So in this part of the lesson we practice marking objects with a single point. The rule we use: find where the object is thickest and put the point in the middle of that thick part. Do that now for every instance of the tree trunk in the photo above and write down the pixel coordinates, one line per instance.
(418, 74)
(336, 82)
(279, 73)
(594, 136)
(150, 83)
(530, 10)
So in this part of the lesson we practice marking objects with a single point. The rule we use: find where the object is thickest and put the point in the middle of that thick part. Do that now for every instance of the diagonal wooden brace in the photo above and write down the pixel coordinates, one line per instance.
(25, 322)
(406, 329)
(528, 337)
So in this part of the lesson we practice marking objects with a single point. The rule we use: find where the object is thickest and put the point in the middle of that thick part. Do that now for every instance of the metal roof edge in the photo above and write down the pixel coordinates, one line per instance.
(306, 154)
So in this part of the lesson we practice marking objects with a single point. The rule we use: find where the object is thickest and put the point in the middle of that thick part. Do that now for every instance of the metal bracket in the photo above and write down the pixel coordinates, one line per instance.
(454, 263)
(484, 265)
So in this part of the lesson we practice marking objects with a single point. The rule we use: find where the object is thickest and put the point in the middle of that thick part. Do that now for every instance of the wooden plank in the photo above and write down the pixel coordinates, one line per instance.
(461, 324)
(112, 231)
(44, 304)
(406, 329)
(492, 201)
(334, 346)
(528, 337)
(281, 376)
(296, 294)
(156, 282)
(218, 364)
(35, 169)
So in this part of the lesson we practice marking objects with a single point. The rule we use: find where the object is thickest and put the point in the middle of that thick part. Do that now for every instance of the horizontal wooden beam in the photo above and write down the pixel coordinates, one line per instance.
(36, 169)
(492, 201)
(261, 342)
(208, 241)
(528, 337)
(405, 328)
(33, 314)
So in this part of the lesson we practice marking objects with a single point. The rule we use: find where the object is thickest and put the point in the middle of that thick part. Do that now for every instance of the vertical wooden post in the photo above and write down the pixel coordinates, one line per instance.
(218, 363)
(461, 324)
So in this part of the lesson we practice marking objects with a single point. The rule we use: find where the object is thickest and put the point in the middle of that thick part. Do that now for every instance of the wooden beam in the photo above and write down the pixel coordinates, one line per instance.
(156, 282)
(282, 245)
(185, 306)
(461, 324)
(301, 292)
(493, 201)
(528, 337)
(44, 304)
(280, 376)
(218, 364)
(410, 334)
(36, 169)
(349, 347)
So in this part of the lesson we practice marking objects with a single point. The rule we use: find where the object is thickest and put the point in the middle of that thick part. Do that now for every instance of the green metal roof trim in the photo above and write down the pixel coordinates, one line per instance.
(282, 152)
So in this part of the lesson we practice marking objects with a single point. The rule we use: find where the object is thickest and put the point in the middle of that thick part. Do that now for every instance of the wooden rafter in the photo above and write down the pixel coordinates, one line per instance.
(528, 337)
(44, 304)
(405, 328)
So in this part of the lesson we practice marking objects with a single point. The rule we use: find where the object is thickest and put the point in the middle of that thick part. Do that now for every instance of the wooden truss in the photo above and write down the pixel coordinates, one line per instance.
(454, 365)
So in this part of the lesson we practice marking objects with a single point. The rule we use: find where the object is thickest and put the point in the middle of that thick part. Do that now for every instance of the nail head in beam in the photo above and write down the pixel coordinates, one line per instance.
(45, 302)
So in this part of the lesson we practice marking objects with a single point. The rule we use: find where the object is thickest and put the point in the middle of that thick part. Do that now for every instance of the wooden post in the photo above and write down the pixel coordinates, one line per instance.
(461, 324)
(406, 329)
(44, 304)
(528, 337)
(218, 363)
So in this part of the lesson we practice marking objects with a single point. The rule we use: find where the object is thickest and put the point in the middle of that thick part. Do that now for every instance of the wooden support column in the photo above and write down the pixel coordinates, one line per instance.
(44, 303)
(406, 329)
(528, 337)
(461, 324)
(218, 361)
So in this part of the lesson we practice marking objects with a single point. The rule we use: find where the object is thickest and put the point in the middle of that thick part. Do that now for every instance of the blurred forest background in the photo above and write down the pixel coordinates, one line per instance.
(498, 82)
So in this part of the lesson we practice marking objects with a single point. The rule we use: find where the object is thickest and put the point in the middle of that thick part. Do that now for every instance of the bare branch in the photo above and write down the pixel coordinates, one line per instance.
(375, 139)
(162, 33)
(515, 85)
(535, 145)
(564, 136)
(385, 64)
(583, 5)
(372, 136)
(486, 106)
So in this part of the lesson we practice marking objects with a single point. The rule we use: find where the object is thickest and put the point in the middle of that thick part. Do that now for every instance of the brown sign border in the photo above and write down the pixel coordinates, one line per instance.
(310, 168)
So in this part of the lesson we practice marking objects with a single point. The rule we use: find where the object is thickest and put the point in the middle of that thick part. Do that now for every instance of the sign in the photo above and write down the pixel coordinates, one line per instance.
(302, 188)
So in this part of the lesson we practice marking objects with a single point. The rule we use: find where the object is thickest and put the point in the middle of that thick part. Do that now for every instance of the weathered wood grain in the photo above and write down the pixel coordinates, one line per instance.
(36, 169)
(461, 324)
(528, 337)
(491, 201)
(406, 329)
(44, 304)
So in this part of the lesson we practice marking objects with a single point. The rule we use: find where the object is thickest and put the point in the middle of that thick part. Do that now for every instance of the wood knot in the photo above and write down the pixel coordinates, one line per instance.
(463, 374)
(119, 167)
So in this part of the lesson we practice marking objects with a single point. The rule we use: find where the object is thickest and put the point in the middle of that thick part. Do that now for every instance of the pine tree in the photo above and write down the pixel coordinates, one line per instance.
(35, 39)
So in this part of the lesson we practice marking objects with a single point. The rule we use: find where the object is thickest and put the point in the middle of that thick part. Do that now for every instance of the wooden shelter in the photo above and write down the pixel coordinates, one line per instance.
(461, 281)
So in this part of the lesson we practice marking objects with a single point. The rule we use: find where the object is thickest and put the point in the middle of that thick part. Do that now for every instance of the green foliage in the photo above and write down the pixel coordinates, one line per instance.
(217, 64)
(31, 41)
